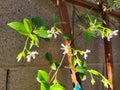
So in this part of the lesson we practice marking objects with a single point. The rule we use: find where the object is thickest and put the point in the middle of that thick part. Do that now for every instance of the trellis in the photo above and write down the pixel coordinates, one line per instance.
(67, 30)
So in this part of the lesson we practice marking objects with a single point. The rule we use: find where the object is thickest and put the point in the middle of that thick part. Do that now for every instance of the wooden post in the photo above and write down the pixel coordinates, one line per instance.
(67, 30)
(108, 50)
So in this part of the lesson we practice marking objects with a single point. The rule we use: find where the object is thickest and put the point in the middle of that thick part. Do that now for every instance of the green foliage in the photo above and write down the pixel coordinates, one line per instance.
(89, 35)
(53, 65)
(42, 76)
(45, 86)
(49, 56)
(19, 27)
(41, 33)
(57, 87)
(37, 22)
(113, 4)
(20, 56)
(34, 40)
(28, 25)
(97, 74)
(55, 18)
(43, 79)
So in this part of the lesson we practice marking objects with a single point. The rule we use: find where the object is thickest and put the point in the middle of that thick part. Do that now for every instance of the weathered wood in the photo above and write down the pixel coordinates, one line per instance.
(108, 50)
(67, 30)
(92, 6)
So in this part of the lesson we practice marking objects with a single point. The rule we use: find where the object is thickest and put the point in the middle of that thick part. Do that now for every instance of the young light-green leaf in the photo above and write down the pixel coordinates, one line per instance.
(42, 76)
(28, 25)
(57, 87)
(19, 27)
(94, 72)
(45, 86)
(53, 66)
(42, 33)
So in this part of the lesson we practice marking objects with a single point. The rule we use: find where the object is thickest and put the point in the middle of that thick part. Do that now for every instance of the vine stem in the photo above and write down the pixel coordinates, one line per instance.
(25, 44)
(55, 74)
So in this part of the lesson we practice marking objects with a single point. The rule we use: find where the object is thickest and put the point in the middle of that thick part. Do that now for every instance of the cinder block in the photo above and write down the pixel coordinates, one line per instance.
(116, 49)
(11, 43)
(2, 79)
(24, 78)
(117, 76)
(65, 78)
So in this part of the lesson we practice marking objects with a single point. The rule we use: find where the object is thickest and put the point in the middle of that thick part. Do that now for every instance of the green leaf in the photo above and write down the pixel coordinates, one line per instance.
(57, 64)
(19, 27)
(44, 27)
(28, 25)
(57, 87)
(98, 24)
(94, 72)
(55, 18)
(42, 76)
(48, 56)
(53, 66)
(80, 69)
(66, 37)
(83, 63)
(82, 76)
(41, 33)
(89, 35)
(73, 60)
(45, 86)
(37, 21)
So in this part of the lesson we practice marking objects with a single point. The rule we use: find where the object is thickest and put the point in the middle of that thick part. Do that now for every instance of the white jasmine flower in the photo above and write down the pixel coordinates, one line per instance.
(113, 33)
(52, 32)
(65, 48)
(31, 55)
(85, 53)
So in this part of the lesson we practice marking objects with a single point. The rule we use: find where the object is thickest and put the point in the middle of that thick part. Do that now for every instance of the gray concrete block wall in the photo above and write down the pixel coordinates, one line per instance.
(3, 79)
(22, 75)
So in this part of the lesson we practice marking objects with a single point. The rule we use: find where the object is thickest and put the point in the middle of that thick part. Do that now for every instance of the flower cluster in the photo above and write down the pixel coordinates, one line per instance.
(65, 48)
(31, 55)
(109, 34)
(68, 48)
(54, 32)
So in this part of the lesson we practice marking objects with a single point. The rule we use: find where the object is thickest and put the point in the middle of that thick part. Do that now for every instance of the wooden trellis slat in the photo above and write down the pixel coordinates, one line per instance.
(67, 30)
(108, 50)
(92, 6)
